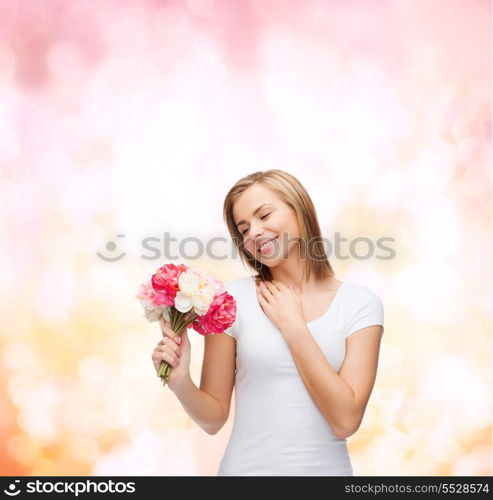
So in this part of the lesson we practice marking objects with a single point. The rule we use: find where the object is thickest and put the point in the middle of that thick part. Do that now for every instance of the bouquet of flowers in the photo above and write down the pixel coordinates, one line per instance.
(186, 296)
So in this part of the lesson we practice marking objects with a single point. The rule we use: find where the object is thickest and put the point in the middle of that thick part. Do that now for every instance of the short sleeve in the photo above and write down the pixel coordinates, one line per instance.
(232, 330)
(368, 311)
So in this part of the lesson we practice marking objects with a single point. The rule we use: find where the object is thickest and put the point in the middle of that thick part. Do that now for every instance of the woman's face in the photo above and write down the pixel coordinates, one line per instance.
(275, 220)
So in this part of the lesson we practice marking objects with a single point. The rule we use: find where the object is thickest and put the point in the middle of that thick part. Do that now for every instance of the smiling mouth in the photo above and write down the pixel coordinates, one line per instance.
(266, 244)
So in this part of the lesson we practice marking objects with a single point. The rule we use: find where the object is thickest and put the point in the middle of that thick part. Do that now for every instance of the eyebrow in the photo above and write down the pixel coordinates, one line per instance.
(254, 212)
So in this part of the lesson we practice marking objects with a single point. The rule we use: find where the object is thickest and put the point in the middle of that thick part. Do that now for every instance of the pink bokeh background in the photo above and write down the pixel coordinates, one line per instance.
(134, 118)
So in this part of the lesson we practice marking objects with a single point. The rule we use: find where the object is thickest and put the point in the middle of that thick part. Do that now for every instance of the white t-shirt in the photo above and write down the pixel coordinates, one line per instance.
(278, 430)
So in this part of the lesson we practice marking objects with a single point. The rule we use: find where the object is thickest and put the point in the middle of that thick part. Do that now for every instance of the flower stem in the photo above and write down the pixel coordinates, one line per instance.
(179, 321)
(180, 325)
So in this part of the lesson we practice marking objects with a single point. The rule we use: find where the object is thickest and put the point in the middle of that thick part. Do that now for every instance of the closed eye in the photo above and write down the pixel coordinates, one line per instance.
(263, 217)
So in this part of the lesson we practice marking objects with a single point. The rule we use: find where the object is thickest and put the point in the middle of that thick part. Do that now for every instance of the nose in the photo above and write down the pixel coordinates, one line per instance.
(254, 232)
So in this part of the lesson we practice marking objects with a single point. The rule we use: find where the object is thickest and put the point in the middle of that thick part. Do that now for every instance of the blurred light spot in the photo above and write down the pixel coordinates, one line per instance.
(94, 369)
(473, 151)
(209, 63)
(94, 423)
(45, 467)
(24, 450)
(149, 454)
(444, 448)
(73, 412)
(10, 147)
(105, 280)
(38, 414)
(84, 195)
(436, 299)
(84, 449)
(476, 463)
(6, 275)
(66, 64)
(19, 356)
(62, 247)
(55, 168)
(128, 31)
(465, 393)
(119, 413)
(438, 234)
(172, 27)
(7, 64)
(55, 294)
(430, 173)
(387, 195)
(202, 8)
(20, 328)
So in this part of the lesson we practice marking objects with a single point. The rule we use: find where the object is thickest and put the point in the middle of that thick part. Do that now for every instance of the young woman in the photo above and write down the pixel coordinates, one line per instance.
(303, 352)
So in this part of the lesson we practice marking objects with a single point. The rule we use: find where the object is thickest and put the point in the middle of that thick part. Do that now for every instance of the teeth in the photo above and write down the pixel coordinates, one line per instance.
(266, 243)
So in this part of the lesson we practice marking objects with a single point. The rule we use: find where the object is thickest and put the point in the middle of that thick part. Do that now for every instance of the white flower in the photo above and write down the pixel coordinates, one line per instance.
(203, 300)
(183, 302)
(152, 314)
(166, 313)
(196, 290)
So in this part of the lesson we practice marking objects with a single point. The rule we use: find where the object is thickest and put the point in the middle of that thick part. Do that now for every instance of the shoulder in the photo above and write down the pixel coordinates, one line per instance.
(362, 307)
(357, 293)
(239, 285)
(239, 289)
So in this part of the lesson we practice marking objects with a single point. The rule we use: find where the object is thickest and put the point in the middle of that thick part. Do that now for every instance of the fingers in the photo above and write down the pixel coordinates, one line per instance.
(268, 287)
(280, 285)
(168, 349)
(171, 344)
(165, 353)
(264, 293)
(167, 331)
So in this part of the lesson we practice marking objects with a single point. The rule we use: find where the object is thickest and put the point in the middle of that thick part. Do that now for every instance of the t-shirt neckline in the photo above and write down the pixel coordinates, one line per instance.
(327, 311)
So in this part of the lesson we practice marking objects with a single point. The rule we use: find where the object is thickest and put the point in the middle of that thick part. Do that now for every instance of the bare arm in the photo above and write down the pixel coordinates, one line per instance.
(200, 406)
(209, 405)
(341, 397)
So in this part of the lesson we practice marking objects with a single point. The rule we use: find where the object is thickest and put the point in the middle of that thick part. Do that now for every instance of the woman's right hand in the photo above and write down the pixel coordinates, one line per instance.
(175, 350)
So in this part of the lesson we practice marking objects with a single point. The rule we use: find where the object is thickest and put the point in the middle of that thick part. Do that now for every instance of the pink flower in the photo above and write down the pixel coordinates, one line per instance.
(220, 316)
(165, 281)
(219, 287)
(150, 298)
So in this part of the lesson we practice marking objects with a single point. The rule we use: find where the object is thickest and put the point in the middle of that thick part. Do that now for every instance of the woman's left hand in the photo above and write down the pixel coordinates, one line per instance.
(281, 304)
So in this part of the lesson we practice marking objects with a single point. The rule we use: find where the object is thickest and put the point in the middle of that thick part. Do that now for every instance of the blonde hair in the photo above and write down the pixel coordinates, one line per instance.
(291, 191)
